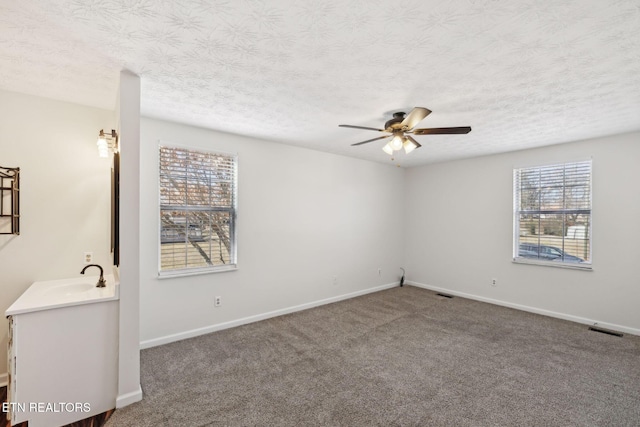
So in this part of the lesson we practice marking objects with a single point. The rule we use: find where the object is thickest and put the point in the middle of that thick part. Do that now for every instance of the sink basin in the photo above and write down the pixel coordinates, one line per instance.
(68, 288)
(51, 294)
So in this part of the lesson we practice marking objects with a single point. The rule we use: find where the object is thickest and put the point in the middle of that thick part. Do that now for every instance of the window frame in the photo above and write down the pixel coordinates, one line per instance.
(516, 258)
(233, 213)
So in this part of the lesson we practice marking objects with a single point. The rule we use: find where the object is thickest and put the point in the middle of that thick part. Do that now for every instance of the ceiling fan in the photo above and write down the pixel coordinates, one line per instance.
(399, 128)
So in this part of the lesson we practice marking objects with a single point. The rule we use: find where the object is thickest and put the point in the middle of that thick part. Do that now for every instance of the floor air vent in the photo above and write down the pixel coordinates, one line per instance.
(444, 295)
(605, 331)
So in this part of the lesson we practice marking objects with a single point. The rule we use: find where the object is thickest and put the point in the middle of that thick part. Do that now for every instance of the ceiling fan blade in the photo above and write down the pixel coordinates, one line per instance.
(415, 116)
(410, 138)
(361, 127)
(441, 131)
(374, 139)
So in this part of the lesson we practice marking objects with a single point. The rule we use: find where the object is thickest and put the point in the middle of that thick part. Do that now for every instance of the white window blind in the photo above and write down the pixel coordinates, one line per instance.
(197, 210)
(552, 208)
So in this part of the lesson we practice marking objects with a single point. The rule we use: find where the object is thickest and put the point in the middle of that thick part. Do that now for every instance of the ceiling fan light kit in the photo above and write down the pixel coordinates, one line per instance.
(397, 141)
(410, 144)
(399, 128)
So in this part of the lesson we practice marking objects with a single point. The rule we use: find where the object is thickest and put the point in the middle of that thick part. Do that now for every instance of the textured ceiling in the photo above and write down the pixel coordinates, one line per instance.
(521, 73)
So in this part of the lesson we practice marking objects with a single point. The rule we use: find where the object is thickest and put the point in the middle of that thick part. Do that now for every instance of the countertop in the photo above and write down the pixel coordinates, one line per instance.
(50, 294)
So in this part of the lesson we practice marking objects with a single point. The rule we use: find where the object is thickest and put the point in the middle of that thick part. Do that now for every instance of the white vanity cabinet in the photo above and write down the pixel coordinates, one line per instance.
(63, 355)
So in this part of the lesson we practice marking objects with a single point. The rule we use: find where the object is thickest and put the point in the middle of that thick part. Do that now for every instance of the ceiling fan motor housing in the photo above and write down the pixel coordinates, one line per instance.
(397, 118)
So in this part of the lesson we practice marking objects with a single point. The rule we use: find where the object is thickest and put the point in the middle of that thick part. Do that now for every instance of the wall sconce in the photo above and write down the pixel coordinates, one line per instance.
(107, 143)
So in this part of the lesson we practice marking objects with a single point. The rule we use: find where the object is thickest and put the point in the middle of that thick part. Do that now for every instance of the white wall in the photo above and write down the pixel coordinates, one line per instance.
(303, 217)
(128, 111)
(65, 194)
(459, 222)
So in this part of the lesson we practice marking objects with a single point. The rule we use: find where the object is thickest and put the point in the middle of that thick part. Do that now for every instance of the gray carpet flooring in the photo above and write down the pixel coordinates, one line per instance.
(400, 357)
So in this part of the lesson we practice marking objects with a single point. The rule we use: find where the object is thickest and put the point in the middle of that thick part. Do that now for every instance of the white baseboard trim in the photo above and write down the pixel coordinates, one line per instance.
(239, 322)
(563, 316)
(129, 398)
(4, 379)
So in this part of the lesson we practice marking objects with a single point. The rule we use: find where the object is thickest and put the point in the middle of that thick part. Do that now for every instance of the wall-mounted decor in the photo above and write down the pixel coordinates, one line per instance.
(9, 200)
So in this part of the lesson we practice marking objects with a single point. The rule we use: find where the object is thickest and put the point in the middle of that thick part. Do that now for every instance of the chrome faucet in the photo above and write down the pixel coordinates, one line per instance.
(101, 282)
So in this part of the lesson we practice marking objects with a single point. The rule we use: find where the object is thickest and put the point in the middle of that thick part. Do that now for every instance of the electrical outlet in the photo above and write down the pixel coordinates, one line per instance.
(494, 282)
(217, 302)
(88, 257)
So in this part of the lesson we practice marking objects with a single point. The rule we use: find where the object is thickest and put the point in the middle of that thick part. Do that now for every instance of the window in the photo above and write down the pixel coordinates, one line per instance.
(552, 214)
(197, 211)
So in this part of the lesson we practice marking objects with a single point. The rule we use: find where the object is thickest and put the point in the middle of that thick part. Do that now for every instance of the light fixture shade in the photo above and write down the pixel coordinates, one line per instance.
(387, 149)
(409, 145)
(103, 147)
(396, 143)
(107, 143)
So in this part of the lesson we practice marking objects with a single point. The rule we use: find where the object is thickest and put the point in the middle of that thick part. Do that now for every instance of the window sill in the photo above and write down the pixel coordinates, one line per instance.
(196, 272)
(571, 266)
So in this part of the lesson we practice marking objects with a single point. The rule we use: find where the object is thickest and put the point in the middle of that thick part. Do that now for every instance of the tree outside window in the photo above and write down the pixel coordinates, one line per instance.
(197, 210)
